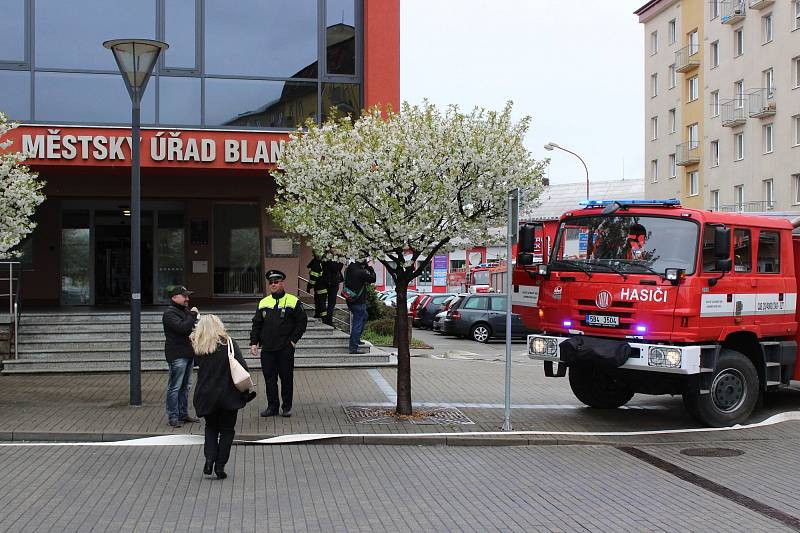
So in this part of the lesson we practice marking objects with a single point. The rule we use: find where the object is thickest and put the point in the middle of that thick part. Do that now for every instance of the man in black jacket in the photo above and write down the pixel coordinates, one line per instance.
(178, 322)
(356, 278)
(278, 324)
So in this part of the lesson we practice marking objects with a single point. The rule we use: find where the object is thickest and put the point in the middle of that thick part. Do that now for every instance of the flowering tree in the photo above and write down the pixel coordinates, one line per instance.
(399, 187)
(20, 193)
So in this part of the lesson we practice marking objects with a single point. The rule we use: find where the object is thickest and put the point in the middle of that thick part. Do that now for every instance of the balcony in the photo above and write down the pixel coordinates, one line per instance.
(761, 4)
(732, 11)
(746, 207)
(733, 112)
(761, 102)
(687, 153)
(687, 58)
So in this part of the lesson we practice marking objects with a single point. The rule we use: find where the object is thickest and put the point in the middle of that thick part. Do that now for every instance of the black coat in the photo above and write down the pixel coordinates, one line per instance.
(178, 324)
(356, 277)
(214, 390)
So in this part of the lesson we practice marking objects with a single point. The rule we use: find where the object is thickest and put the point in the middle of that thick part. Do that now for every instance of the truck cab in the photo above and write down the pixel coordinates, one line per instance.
(650, 297)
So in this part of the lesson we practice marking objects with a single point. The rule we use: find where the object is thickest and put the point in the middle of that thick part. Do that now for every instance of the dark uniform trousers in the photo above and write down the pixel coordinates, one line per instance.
(321, 302)
(275, 364)
(219, 436)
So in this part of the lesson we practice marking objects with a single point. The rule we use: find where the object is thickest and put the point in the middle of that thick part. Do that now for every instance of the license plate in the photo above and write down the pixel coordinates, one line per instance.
(606, 321)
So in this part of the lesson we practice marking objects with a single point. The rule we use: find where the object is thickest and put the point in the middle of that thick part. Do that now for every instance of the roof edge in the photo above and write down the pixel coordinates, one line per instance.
(652, 8)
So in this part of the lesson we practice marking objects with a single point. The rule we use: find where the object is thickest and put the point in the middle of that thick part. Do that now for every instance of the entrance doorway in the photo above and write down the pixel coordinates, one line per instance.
(96, 253)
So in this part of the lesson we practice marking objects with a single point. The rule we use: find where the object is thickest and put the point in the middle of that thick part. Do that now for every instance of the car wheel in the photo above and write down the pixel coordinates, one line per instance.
(733, 394)
(480, 332)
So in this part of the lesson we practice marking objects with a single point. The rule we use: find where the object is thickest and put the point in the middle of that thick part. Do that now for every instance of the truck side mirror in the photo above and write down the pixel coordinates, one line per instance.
(723, 265)
(722, 243)
(527, 248)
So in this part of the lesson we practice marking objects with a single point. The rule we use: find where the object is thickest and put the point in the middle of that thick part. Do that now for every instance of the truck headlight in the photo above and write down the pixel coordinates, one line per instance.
(664, 357)
(543, 346)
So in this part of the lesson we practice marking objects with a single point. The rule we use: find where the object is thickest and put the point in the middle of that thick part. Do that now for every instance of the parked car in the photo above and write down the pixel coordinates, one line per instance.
(429, 307)
(481, 317)
(418, 301)
(438, 319)
(386, 294)
(391, 301)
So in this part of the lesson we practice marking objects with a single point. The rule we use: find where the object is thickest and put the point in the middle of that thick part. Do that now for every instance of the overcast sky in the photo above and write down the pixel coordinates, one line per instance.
(575, 66)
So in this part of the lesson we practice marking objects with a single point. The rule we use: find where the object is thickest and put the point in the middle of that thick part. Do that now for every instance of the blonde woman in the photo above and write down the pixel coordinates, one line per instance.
(215, 397)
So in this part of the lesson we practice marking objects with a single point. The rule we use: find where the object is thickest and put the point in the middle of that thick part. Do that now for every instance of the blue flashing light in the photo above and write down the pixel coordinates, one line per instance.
(568, 323)
(641, 329)
(588, 204)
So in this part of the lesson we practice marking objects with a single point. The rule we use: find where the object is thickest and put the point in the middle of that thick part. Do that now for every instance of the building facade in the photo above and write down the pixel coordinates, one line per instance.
(738, 65)
(236, 79)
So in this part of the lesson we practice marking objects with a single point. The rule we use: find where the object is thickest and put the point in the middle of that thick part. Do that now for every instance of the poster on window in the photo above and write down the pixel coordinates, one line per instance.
(440, 271)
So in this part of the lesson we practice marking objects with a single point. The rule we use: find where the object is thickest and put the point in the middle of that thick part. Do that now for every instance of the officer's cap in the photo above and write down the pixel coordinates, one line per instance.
(275, 275)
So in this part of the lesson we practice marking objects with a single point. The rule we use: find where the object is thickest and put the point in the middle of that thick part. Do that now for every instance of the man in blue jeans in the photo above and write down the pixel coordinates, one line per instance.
(356, 278)
(178, 322)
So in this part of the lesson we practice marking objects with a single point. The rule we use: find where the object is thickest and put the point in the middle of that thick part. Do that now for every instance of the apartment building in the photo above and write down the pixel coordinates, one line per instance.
(738, 143)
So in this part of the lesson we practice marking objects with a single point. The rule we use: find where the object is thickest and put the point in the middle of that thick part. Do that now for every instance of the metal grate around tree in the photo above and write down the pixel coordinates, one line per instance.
(444, 416)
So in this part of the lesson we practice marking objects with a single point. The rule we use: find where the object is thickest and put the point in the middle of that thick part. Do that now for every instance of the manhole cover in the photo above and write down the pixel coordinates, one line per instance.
(712, 452)
(446, 416)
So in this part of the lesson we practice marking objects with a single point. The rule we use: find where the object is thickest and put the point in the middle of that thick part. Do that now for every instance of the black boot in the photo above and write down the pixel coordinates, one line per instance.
(208, 467)
(220, 471)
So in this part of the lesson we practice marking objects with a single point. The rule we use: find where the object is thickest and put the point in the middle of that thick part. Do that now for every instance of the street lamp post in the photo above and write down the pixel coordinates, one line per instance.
(550, 146)
(136, 59)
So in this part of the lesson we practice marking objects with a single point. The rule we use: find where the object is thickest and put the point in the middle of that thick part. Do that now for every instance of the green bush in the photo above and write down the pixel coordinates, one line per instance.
(384, 326)
(376, 309)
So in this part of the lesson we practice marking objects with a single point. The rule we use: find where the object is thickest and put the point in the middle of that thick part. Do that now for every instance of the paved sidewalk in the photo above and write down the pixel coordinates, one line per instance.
(95, 406)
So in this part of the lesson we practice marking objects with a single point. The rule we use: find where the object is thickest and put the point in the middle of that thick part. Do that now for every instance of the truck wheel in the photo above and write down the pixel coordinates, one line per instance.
(733, 394)
(597, 388)
(480, 332)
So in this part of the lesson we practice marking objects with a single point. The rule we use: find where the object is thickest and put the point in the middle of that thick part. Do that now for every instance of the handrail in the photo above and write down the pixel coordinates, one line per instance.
(348, 323)
(14, 291)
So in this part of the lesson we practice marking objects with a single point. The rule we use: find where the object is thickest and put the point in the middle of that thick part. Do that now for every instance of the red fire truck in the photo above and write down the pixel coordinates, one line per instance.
(649, 297)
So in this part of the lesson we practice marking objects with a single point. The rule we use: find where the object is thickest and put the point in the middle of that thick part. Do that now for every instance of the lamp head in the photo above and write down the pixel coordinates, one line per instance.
(136, 59)
(549, 146)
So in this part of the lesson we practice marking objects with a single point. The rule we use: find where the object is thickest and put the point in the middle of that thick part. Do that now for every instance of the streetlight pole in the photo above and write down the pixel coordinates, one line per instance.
(551, 145)
(136, 59)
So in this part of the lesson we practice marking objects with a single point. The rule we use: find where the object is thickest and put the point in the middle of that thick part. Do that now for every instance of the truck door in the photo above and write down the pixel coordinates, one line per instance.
(775, 302)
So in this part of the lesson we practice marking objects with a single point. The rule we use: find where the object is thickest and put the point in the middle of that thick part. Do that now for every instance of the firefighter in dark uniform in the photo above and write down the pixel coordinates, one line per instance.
(316, 283)
(278, 325)
(332, 277)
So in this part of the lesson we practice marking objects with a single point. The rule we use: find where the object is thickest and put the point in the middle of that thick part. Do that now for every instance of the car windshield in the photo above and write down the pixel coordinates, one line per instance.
(625, 244)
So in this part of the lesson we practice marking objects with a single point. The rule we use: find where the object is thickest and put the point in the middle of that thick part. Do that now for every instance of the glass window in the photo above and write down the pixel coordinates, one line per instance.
(15, 94)
(767, 134)
(769, 252)
(715, 54)
(742, 251)
(654, 43)
(694, 181)
(476, 302)
(499, 303)
(92, 98)
(171, 253)
(796, 128)
(709, 260)
(71, 34)
(715, 200)
(258, 103)
(739, 143)
(715, 153)
(75, 258)
(653, 85)
(673, 79)
(180, 17)
(179, 100)
(237, 249)
(12, 31)
(738, 42)
(694, 42)
(694, 89)
(340, 36)
(345, 97)
(457, 263)
(766, 27)
(261, 38)
(714, 103)
(673, 168)
(672, 32)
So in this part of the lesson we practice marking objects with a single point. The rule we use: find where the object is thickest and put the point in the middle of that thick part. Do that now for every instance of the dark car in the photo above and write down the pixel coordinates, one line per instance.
(428, 308)
(481, 317)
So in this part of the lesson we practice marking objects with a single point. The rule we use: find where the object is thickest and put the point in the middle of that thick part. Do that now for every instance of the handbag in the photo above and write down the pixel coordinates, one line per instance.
(241, 377)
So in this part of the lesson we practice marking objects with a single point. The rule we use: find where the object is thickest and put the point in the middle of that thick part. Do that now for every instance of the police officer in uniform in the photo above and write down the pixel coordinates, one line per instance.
(278, 325)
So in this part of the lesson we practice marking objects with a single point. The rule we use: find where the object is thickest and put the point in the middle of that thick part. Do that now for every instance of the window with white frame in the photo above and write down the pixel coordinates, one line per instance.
(738, 42)
(673, 166)
(694, 42)
(714, 54)
(713, 9)
(766, 28)
(654, 170)
(654, 85)
(738, 196)
(653, 128)
(738, 91)
(715, 153)
(767, 134)
(672, 31)
(694, 88)
(672, 122)
(715, 200)
(769, 197)
(796, 72)
(796, 130)
(714, 103)
(797, 14)
(738, 142)
(768, 76)
(694, 185)
(796, 187)
(673, 78)
(694, 135)
(654, 43)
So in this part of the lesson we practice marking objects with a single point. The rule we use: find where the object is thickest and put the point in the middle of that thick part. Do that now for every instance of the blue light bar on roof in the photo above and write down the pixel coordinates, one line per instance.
(672, 202)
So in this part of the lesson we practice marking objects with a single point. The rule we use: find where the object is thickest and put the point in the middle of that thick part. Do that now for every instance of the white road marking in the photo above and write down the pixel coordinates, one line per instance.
(385, 387)
(467, 405)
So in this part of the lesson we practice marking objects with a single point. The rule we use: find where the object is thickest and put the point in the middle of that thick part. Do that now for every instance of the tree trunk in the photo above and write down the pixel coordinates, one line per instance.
(403, 351)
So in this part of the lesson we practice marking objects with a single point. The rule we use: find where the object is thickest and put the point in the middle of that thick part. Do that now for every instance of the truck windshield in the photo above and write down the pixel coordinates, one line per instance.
(480, 277)
(629, 244)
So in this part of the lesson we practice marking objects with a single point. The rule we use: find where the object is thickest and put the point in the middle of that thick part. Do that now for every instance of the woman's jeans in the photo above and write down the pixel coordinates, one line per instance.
(180, 382)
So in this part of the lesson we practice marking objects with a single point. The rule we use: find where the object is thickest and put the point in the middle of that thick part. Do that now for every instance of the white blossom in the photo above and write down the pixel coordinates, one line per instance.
(20, 194)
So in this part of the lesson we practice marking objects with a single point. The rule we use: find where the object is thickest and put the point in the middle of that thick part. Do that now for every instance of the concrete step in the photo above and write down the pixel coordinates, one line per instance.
(27, 319)
(50, 330)
(56, 346)
(332, 360)
(32, 342)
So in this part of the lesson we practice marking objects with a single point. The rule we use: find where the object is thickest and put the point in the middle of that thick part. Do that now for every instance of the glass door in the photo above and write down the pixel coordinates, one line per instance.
(237, 250)
(76, 258)
(170, 260)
